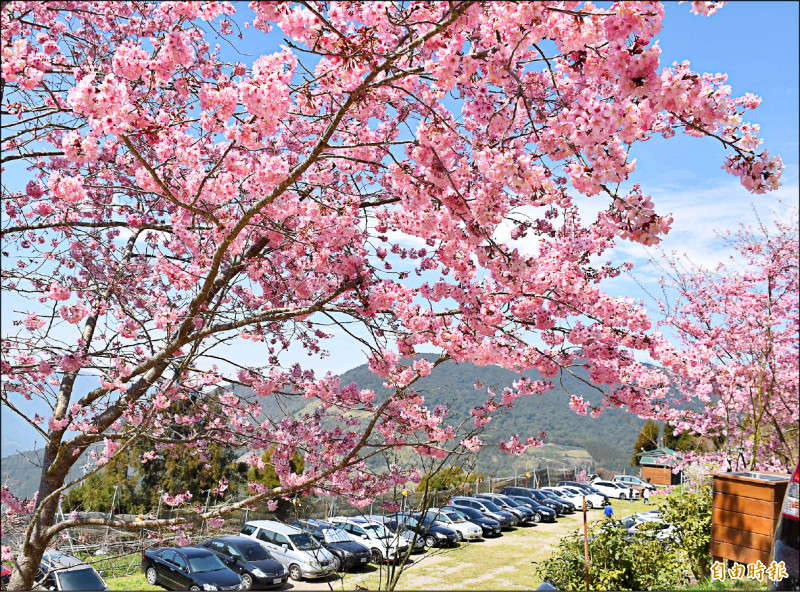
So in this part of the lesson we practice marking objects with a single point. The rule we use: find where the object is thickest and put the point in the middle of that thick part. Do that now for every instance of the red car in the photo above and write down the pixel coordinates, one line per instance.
(786, 545)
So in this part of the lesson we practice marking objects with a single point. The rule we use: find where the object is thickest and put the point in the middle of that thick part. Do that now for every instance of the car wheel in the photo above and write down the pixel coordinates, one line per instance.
(589, 505)
(430, 541)
(295, 573)
(247, 581)
(376, 557)
(195, 588)
(337, 563)
(536, 517)
(459, 536)
(152, 576)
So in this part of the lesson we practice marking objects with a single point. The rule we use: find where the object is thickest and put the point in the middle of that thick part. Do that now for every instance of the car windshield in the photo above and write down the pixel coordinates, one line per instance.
(304, 541)
(336, 535)
(378, 530)
(511, 502)
(469, 512)
(628, 522)
(490, 506)
(499, 503)
(454, 518)
(253, 552)
(81, 579)
(205, 563)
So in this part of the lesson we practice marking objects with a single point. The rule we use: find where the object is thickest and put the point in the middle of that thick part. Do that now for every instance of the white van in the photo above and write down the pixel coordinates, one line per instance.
(303, 556)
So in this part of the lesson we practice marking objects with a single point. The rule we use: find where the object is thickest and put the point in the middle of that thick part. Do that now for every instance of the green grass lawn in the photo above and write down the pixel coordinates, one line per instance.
(134, 582)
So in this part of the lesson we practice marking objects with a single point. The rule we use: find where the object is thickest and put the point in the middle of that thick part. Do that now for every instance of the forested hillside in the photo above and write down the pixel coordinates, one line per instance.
(608, 439)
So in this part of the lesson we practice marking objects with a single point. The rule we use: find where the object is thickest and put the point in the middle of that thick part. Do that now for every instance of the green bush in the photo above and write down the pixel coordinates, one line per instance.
(617, 561)
(688, 507)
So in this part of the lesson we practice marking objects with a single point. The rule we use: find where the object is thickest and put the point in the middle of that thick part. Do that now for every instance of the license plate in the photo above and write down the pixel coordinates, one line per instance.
(363, 560)
(276, 581)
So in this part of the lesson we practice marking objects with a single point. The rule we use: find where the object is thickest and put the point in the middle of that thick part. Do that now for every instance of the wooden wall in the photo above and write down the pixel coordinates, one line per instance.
(657, 475)
(745, 515)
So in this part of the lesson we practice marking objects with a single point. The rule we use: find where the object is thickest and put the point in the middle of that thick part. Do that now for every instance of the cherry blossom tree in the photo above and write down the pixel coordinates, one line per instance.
(736, 363)
(171, 205)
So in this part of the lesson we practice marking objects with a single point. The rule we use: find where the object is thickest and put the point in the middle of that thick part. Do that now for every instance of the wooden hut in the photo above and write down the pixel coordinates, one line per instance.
(657, 466)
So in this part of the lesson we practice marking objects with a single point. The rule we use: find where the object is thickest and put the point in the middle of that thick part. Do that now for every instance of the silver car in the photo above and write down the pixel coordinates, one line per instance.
(302, 555)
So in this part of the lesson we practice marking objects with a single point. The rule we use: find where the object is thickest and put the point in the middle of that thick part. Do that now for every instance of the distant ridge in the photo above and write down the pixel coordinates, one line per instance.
(609, 439)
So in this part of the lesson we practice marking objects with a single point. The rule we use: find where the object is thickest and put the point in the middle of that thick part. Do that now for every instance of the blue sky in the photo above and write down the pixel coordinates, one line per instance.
(756, 43)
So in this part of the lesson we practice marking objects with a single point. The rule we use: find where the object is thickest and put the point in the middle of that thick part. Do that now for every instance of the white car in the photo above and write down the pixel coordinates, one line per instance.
(569, 498)
(407, 536)
(648, 525)
(592, 499)
(466, 531)
(615, 490)
(630, 480)
(383, 543)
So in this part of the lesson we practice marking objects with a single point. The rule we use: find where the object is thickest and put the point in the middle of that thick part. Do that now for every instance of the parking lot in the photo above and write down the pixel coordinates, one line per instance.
(506, 562)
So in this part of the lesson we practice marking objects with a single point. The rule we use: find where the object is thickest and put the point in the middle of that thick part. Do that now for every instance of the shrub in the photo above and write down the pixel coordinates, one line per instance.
(688, 508)
(617, 561)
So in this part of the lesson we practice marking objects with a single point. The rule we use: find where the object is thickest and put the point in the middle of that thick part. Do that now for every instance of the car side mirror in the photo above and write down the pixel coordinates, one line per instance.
(285, 546)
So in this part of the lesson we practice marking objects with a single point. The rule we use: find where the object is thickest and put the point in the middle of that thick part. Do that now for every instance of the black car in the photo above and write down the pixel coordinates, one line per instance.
(347, 553)
(786, 545)
(188, 568)
(523, 513)
(507, 520)
(547, 514)
(585, 487)
(257, 568)
(537, 496)
(489, 526)
(433, 534)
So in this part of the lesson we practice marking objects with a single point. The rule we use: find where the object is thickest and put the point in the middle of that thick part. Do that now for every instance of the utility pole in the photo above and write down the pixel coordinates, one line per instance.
(585, 544)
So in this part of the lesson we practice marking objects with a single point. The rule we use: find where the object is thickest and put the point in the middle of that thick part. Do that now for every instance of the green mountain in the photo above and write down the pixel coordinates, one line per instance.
(572, 439)
(609, 438)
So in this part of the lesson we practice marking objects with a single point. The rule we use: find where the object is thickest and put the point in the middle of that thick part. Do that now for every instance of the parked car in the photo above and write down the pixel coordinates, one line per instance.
(536, 513)
(523, 514)
(585, 487)
(593, 500)
(635, 482)
(465, 530)
(547, 514)
(561, 495)
(615, 490)
(506, 519)
(649, 526)
(347, 553)
(434, 535)
(188, 568)
(250, 560)
(407, 535)
(571, 506)
(59, 571)
(384, 544)
(786, 544)
(489, 526)
(302, 555)
(559, 507)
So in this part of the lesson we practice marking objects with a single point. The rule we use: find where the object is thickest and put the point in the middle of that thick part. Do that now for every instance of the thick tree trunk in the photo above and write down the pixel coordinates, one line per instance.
(31, 551)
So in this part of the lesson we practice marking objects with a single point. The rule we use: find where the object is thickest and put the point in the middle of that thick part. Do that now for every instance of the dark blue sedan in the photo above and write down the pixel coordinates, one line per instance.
(188, 568)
